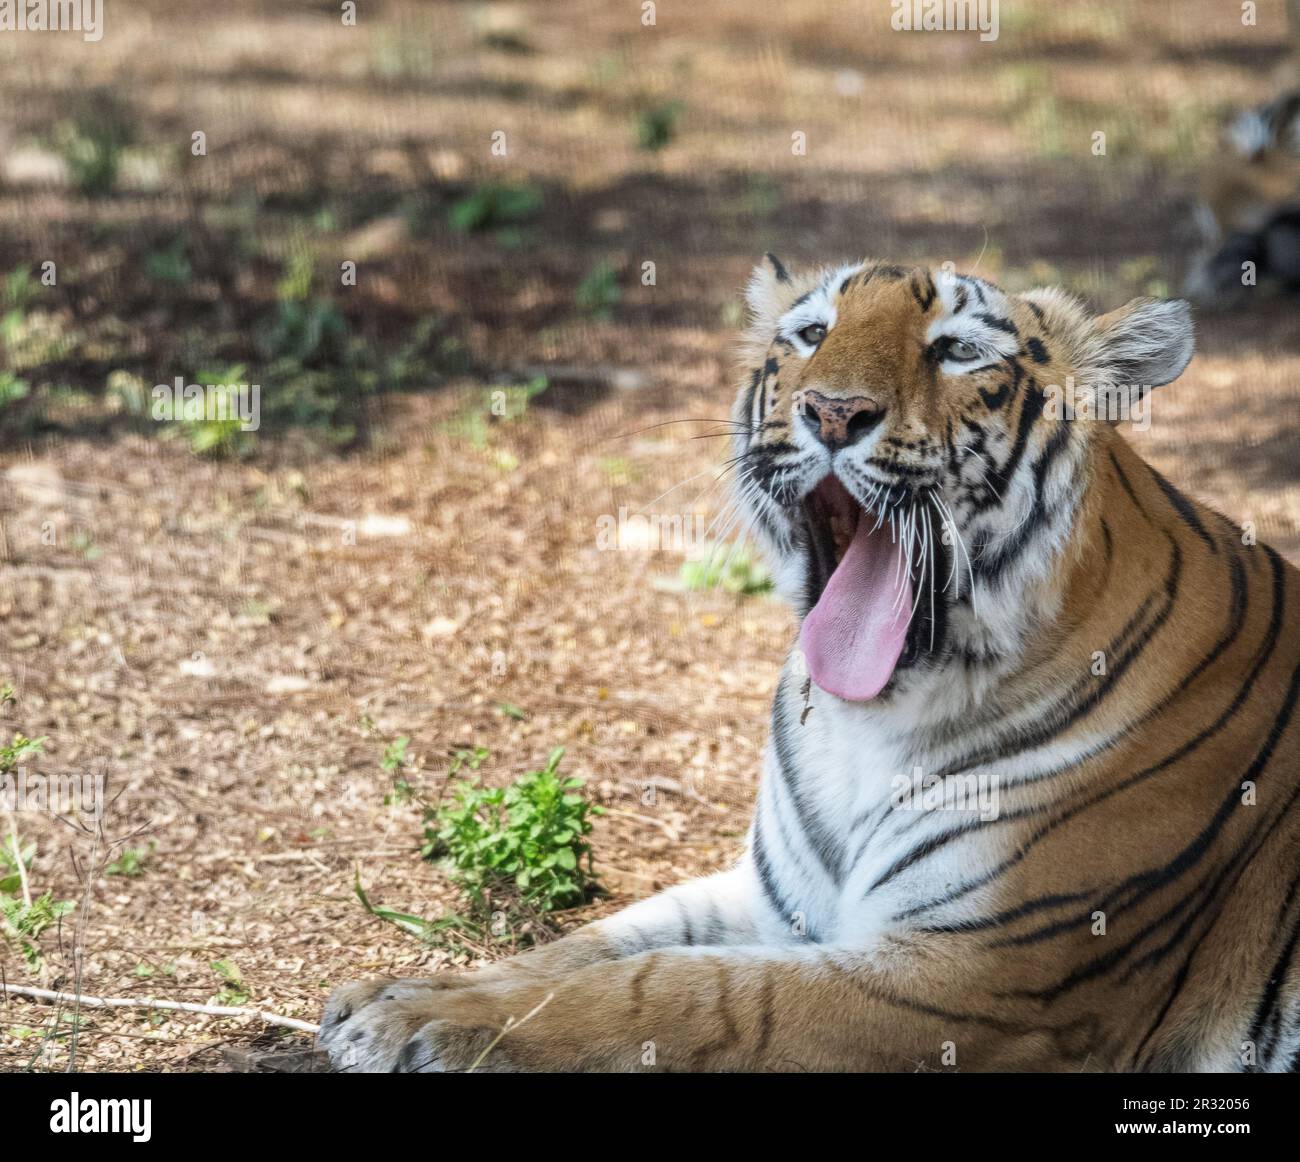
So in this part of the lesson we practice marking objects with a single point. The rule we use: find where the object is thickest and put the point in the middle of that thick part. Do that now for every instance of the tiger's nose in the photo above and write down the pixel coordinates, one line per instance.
(838, 422)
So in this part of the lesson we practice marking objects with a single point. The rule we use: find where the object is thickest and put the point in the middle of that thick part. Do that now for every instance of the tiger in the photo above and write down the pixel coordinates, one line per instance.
(1246, 219)
(1029, 799)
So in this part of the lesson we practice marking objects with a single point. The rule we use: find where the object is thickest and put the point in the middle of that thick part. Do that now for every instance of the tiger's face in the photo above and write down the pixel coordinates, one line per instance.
(907, 450)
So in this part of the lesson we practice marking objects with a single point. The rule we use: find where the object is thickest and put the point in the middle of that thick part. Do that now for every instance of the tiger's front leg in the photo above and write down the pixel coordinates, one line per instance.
(744, 1008)
(366, 1023)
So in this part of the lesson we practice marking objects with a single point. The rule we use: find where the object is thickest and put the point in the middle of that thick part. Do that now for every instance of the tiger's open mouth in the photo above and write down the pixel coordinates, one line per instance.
(860, 626)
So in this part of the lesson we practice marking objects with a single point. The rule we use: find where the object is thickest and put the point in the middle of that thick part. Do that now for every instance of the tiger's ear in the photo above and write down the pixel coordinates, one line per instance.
(766, 294)
(1147, 342)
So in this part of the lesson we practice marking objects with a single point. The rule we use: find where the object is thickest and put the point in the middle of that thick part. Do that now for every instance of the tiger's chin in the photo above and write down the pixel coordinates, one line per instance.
(874, 601)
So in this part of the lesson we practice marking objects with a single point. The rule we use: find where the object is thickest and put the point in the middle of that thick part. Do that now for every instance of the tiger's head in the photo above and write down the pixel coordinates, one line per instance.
(913, 446)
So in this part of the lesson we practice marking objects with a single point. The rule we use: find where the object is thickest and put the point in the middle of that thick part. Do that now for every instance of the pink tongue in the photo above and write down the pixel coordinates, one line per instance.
(854, 635)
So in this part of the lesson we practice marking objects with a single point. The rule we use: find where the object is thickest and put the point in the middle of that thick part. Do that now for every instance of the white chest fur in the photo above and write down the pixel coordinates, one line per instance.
(847, 802)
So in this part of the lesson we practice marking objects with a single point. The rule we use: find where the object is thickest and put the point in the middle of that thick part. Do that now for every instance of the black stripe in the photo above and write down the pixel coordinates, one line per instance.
(1128, 488)
(998, 323)
(747, 407)
(923, 293)
(1031, 407)
(766, 877)
(1184, 507)
(745, 476)
(822, 843)
(1180, 979)
(991, 567)
(904, 471)
(714, 928)
(919, 852)
(777, 267)
(1269, 1002)
(914, 1006)
(993, 400)
(688, 931)
(774, 449)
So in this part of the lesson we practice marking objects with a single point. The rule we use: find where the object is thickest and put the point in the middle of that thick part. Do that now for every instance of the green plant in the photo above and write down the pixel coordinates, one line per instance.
(727, 567)
(19, 748)
(35, 338)
(14, 853)
(620, 471)
(12, 389)
(128, 392)
(394, 756)
(19, 288)
(657, 126)
(598, 293)
(84, 543)
(426, 355)
(212, 425)
(131, 862)
(24, 920)
(472, 423)
(393, 762)
(472, 758)
(521, 847)
(299, 273)
(311, 378)
(92, 149)
(306, 332)
(429, 931)
(171, 264)
(511, 403)
(233, 991)
(498, 209)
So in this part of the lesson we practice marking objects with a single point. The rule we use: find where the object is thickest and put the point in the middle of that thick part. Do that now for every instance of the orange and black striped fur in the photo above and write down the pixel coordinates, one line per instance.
(1065, 834)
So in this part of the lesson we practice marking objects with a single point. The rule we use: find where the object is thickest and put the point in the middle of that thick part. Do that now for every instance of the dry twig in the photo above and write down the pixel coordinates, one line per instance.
(149, 1003)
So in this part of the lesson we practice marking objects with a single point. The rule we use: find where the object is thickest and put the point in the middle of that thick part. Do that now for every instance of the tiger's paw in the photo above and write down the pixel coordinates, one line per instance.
(400, 1026)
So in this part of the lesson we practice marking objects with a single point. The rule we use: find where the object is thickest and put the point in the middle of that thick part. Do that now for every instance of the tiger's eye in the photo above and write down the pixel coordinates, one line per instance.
(962, 351)
(813, 334)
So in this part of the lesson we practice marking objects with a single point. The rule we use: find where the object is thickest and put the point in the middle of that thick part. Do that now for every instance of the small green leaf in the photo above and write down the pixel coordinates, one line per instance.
(227, 970)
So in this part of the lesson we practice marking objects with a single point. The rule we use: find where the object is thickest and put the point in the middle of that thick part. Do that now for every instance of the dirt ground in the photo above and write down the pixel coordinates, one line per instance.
(230, 643)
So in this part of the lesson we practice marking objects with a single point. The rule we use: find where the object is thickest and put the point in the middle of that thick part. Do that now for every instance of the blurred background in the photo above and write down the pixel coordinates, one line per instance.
(484, 261)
